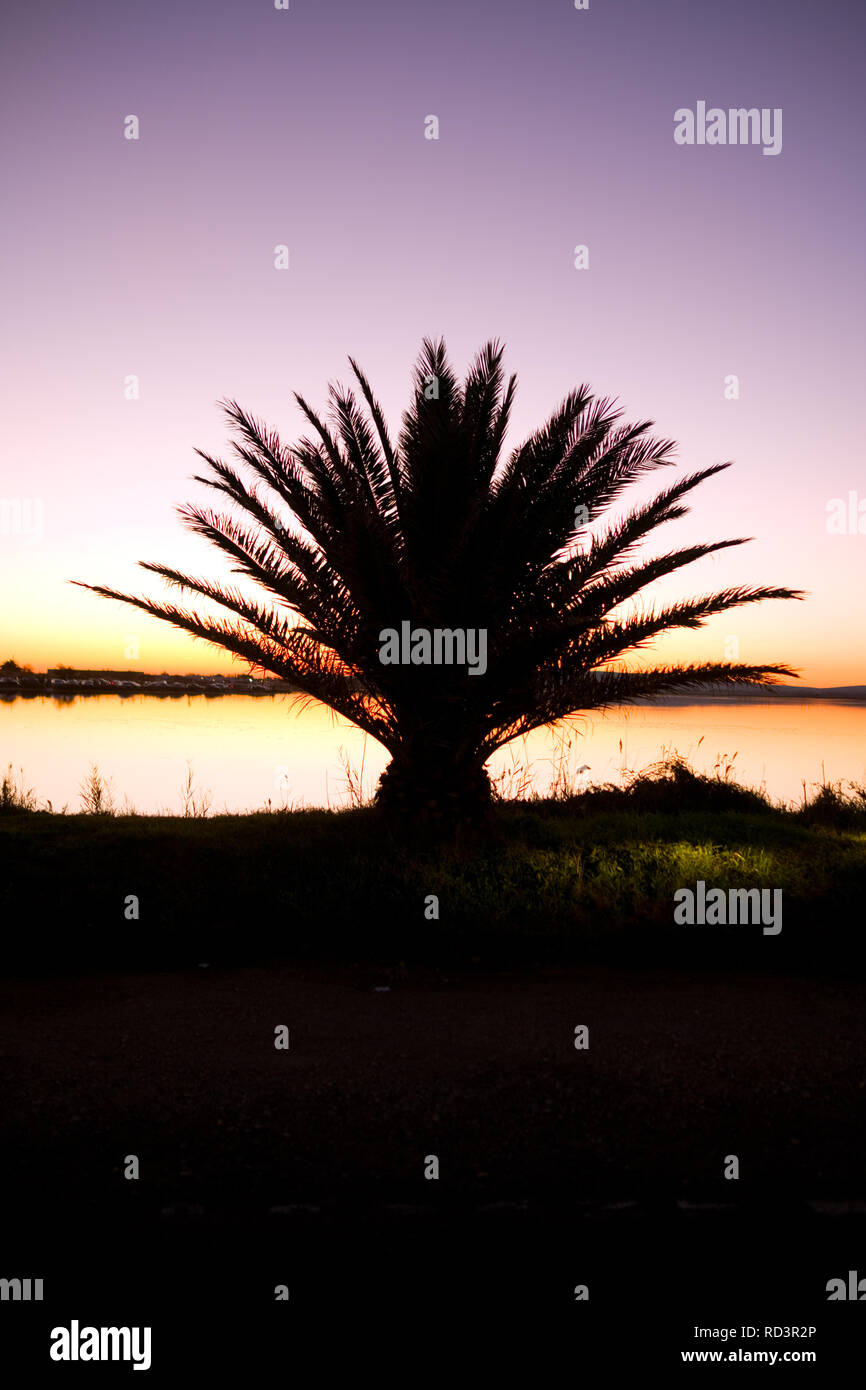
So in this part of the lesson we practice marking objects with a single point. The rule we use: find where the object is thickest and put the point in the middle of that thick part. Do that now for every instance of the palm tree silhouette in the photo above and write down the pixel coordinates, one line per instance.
(349, 534)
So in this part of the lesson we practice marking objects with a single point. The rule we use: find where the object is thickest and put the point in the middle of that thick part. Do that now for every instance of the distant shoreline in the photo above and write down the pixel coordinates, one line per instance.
(28, 685)
(778, 695)
(58, 685)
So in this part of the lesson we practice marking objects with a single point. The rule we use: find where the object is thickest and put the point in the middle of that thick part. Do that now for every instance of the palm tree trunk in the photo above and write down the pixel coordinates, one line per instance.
(435, 785)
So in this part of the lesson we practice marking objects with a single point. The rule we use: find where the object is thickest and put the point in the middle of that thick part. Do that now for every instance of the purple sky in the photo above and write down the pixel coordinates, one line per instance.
(259, 127)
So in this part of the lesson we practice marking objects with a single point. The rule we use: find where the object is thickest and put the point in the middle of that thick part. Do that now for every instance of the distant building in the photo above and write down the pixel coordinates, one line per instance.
(63, 673)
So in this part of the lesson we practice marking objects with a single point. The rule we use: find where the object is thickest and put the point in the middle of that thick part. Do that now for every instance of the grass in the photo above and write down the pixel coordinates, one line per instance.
(585, 875)
(15, 795)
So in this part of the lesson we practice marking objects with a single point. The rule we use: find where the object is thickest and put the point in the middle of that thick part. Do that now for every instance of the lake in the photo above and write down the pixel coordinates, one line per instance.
(244, 752)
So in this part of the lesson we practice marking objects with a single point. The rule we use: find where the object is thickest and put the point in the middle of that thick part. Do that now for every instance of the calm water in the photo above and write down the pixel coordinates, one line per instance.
(245, 751)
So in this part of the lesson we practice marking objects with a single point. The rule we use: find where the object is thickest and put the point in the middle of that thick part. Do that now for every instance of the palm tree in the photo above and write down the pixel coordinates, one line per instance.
(350, 535)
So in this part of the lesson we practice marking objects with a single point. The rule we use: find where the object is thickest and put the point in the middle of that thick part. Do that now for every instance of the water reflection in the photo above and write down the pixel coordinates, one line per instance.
(246, 752)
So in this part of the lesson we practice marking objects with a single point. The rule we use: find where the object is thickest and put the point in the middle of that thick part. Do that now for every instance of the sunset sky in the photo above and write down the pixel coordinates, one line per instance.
(306, 127)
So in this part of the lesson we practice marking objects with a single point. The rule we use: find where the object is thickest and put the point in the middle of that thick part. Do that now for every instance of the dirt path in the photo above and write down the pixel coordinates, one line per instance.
(384, 1069)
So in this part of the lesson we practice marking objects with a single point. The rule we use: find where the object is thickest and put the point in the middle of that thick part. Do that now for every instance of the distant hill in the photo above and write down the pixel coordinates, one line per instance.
(738, 694)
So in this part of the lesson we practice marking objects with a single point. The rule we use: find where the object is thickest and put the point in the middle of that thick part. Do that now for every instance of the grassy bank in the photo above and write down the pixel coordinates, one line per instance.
(586, 877)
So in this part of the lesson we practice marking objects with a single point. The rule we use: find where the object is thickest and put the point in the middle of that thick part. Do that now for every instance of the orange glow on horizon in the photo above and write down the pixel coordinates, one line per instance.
(823, 659)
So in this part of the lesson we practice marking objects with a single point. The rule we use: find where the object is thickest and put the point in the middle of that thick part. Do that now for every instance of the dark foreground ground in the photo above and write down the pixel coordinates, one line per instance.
(148, 962)
(557, 1167)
